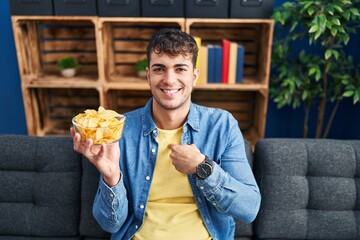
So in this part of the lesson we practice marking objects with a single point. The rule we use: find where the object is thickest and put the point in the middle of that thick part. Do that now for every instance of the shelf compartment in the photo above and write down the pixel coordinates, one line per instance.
(52, 109)
(41, 42)
(125, 41)
(255, 35)
(246, 106)
(127, 100)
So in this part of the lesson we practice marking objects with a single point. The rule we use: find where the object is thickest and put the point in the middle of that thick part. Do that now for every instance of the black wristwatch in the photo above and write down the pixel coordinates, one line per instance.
(204, 169)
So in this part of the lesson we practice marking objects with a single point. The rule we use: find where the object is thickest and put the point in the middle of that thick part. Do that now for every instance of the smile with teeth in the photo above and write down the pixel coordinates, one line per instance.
(170, 90)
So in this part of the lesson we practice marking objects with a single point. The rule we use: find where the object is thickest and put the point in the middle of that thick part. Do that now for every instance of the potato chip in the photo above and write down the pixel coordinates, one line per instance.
(102, 126)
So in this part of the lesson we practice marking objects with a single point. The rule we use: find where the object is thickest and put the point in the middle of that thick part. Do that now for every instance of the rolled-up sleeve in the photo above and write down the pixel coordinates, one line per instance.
(110, 207)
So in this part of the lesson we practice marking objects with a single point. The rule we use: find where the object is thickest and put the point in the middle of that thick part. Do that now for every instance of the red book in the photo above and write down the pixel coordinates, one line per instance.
(225, 61)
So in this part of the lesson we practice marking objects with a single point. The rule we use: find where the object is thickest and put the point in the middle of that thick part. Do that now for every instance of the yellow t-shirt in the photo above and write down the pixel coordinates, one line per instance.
(171, 211)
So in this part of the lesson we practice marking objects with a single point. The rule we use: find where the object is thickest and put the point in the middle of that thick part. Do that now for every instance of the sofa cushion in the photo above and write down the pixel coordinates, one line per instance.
(310, 189)
(39, 186)
(88, 225)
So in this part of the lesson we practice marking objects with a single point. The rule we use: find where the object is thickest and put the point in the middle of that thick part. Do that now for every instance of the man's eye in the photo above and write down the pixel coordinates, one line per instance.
(180, 69)
(158, 69)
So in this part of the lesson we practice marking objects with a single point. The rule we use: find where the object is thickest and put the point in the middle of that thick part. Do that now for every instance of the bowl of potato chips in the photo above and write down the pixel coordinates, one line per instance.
(102, 126)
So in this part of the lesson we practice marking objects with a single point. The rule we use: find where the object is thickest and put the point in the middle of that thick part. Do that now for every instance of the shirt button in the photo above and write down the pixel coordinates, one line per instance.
(136, 226)
(214, 204)
(142, 206)
(201, 187)
(154, 131)
(153, 150)
(111, 195)
(147, 178)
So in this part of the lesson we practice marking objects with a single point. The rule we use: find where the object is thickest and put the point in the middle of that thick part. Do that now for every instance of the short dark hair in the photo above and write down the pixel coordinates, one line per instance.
(172, 42)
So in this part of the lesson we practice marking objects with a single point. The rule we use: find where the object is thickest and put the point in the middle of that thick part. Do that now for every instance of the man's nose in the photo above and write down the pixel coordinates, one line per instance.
(170, 77)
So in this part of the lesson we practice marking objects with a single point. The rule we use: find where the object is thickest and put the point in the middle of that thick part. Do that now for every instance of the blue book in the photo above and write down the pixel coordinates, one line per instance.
(218, 64)
(240, 64)
(211, 64)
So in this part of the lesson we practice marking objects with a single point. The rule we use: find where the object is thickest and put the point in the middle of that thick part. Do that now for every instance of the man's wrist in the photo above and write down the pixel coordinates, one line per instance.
(113, 181)
(204, 169)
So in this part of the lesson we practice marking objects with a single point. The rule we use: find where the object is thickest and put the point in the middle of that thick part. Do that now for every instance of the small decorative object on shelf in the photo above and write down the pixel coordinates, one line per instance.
(67, 66)
(140, 67)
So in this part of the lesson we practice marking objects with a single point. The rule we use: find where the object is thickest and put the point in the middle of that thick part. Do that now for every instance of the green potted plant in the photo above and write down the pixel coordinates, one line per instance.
(140, 67)
(317, 76)
(67, 65)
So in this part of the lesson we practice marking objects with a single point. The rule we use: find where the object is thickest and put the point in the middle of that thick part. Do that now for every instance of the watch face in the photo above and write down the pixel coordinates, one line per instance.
(204, 170)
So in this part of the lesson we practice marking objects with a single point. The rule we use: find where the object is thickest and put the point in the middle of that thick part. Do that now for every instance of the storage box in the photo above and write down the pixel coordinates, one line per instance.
(31, 7)
(207, 8)
(119, 8)
(251, 8)
(163, 8)
(75, 7)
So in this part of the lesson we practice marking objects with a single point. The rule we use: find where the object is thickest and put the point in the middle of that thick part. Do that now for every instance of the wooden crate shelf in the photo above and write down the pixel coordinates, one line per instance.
(40, 42)
(107, 49)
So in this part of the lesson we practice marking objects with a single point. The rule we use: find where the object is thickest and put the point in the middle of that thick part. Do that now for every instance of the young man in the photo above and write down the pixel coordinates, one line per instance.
(180, 169)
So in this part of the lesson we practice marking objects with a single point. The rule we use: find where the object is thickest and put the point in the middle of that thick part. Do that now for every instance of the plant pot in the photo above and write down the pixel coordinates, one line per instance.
(141, 74)
(69, 72)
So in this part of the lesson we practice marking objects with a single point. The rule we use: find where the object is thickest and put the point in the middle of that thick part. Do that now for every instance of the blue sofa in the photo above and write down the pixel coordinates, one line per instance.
(310, 190)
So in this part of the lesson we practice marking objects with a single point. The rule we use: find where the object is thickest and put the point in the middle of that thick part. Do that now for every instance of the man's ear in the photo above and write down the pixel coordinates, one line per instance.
(196, 76)
(148, 75)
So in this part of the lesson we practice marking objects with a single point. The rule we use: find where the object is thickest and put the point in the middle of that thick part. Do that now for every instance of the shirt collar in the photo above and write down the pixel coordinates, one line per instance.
(149, 124)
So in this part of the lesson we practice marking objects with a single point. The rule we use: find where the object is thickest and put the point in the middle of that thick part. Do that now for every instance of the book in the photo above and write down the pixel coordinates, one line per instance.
(225, 60)
(240, 63)
(218, 64)
(233, 62)
(211, 64)
(203, 78)
(198, 60)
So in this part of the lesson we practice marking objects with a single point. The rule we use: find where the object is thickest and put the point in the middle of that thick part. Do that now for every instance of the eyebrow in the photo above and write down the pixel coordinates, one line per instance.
(176, 65)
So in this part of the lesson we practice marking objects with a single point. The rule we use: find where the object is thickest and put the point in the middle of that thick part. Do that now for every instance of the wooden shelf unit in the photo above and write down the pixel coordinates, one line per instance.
(107, 49)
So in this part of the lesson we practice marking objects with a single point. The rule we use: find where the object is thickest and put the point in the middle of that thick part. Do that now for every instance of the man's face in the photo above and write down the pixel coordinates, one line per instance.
(171, 80)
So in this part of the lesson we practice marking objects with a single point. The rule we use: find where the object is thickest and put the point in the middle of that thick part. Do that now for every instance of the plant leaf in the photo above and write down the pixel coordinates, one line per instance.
(293, 26)
(334, 31)
(314, 28)
(336, 21)
(304, 95)
(318, 75)
(348, 93)
(310, 11)
(317, 35)
(346, 39)
(328, 54)
(356, 96)
(354, 11)
(338, 8)
(335, 54)
(312, 71)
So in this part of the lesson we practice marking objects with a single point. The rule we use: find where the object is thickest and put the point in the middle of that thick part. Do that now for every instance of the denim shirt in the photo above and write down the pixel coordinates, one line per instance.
(229, 192)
